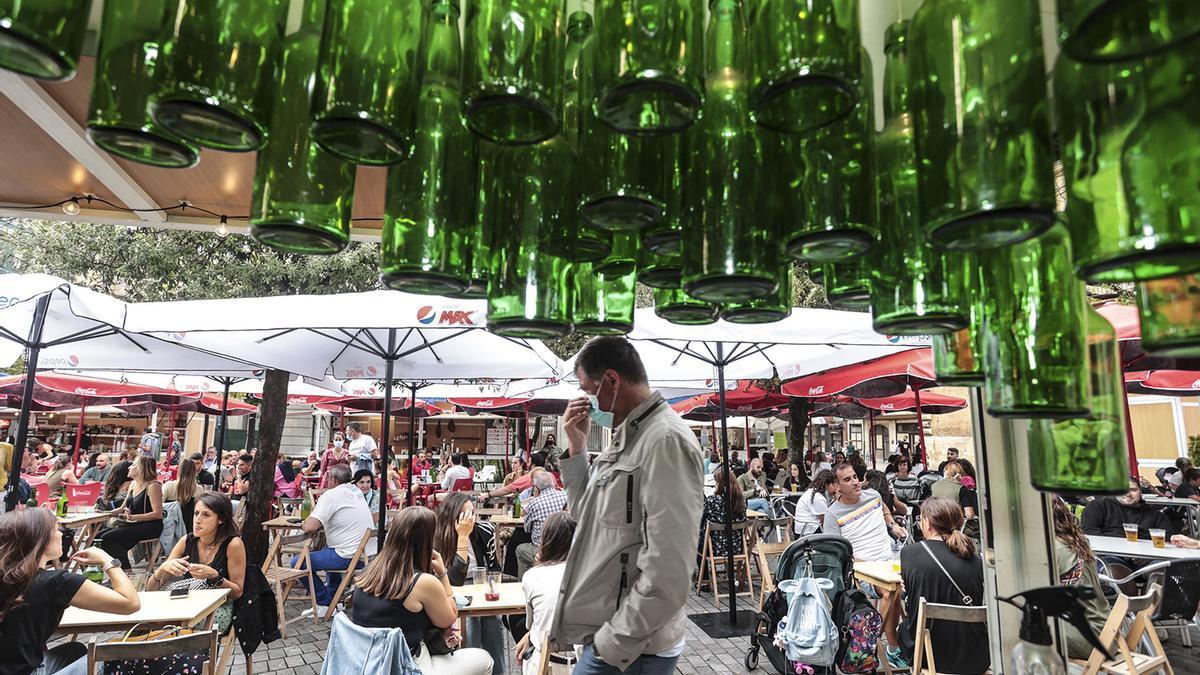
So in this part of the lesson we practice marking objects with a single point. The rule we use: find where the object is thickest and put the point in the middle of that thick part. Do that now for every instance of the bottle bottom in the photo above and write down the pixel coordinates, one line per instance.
(929, 323)
(603, 327)
(1118, 30)
(29, 56)
(661, 276)
(662, 241)
(582, 250)
(361, 140)
(291, 236)
(960, 379)
(1036, 411)
(830, 246)
(799, 100)
(649, 105)
(622, 211)
(728, 288)
(755, 315)
(852, 298)
(424, 282)
(143, 146)
(531, 329)
(687, 315)
(1166, 259)
(207, 125)
(476, 290)
(992, 228)
(617, 267)
(511, 119)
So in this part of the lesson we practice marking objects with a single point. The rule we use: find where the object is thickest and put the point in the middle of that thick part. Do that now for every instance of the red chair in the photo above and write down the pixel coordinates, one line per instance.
(84, 494)
(43, 493)
(463, 485)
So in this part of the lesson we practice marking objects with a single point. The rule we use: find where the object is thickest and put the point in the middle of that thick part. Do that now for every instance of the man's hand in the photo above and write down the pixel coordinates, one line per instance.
(577, 423)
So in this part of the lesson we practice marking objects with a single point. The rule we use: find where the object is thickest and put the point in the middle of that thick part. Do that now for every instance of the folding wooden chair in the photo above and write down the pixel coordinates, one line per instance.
(923, 662)
(1123, 643)
(283, 578)
(709, 560)
(761, 552)
(348, 573)
(153, 551)
(546, 666)
(205, 641)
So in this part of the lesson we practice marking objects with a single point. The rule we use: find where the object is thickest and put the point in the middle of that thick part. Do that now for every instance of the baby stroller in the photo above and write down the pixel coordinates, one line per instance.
(821, 556)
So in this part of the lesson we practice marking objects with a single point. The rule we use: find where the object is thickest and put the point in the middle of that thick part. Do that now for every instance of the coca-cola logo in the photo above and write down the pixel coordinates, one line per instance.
(1196, 384)
(485, 403)
(743, 408)
(819, 389)
(86, 391)
(888, 406)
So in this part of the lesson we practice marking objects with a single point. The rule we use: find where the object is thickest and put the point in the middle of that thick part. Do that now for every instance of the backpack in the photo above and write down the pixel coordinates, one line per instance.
(807, 633)
(860, 625)
(908, 490)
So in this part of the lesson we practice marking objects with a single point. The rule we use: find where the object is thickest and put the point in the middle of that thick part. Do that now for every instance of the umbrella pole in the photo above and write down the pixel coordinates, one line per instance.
(224, 419)
(412, 437)
(507, 442)
(79, 432)
(729, 568)
(746, 419)
(34, 345)
(528, 450)
(921, 428)
(1133, 460)
(312, 434)
(204, 435)
(869, 437)
(170, 432)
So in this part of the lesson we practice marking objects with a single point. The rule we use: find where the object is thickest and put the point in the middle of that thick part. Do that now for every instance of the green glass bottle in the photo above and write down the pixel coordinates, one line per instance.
(907, 289)
(1087, 455)
(728, 255)
(659, 271)
(775, 307)
(302, 196)
(1035, 352)
(43, 39)
(478, 256)
(847, 284)
(958, 356)
(807, 65)
(1097, 107)
(623, 258)
(649, 74)
(514, 57)
(364, 109)
(978, 92)
(603, 302)
(530, 290)
(428, 219)
(626, 178)
(126, 57)
(217, 74)
(676, 306)
(1160, 167)
(1170, 315)
(665, 236)
(1119, 30)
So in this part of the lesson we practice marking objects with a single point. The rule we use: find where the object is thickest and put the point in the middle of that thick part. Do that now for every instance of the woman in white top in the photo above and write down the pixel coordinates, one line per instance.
(820, 463)
(812, 505)
(541, 584)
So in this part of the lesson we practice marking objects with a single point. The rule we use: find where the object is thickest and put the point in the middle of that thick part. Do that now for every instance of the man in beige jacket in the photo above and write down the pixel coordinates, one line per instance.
(638, 510)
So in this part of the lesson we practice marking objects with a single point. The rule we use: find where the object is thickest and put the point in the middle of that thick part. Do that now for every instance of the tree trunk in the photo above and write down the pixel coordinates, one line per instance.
(272, 413)
(798, 411)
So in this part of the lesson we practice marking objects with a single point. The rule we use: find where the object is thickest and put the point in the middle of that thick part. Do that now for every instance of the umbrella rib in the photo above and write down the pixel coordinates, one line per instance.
(279, 334)
(371, 336)
(429, 345)
(86, 334)
(13, 336)
(685, 350)
(525, 343)
(424, 341)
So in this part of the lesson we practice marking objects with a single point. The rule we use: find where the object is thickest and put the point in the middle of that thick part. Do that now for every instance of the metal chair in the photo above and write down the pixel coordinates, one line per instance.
(1180, 582)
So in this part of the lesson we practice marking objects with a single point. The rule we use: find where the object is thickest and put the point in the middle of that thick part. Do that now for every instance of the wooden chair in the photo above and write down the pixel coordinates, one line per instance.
(545, 666)
(709, 560)
(1123, 643)
(348, 573)
(923, 661)
(761, 552)
(283, 578)
(153, 551)
(205, 641)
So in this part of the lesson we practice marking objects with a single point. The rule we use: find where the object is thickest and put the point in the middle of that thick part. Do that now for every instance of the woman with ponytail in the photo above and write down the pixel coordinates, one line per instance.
(1076, 565)
(945, 569)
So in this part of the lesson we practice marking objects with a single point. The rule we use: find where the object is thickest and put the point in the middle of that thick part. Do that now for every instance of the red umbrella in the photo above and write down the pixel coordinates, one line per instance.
(519, 406)
(1127, 323)
(76, 390)
(1164, 382)
(885, 376)
(931, 403)
(750, 397)
(690, 403)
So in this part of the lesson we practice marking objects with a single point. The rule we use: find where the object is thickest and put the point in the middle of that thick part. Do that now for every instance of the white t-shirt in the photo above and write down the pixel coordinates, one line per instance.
(863, 523)
(810, 512)
(541, 584)
(345, 516)
(362, 451)
(454, 473)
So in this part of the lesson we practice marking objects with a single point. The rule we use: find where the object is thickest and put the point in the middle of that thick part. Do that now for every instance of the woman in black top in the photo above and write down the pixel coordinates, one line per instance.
(33, 598)
(462, 540)
(714, 513)
(945, 569)
(796, 480)
(115, 487)
(141, 514)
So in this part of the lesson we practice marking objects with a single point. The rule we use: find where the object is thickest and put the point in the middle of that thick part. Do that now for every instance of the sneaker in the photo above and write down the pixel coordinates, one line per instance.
(895, 660)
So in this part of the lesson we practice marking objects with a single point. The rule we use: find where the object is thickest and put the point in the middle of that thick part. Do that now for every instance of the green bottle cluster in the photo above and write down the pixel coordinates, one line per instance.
(958, 356)
(603, 302)
(847, 284)
(43, 39)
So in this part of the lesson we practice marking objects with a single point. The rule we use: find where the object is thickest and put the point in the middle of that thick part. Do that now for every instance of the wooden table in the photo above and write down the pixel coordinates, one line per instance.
(158, 610)
(882, 573)
(512, 600)
(1142, 548)
(86, 524)
(282, 524)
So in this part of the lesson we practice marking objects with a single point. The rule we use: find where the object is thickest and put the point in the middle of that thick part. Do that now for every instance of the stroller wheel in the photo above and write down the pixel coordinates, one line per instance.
(751, 658)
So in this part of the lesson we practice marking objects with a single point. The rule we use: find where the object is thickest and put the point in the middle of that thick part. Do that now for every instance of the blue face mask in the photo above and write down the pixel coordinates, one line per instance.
(602, 417)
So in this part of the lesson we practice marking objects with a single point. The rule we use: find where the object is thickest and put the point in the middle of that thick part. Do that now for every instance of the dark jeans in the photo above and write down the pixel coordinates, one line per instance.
(646, 664)
(519, 536)
(65, 659)
(118, 541)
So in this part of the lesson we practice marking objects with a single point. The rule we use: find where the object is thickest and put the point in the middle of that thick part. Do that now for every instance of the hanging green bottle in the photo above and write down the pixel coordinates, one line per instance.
(907, 289)
(427, 221)
(958, 356)
(728, 255)
(1087, 455)
(676, 306)
(649, 74)
(217, 72)
(847, 284)
(478, 255)
(807, 65)
(529, 289)
(1170, 315)
(126, 56)
(514, 57)
(603, 302)
(626, 179)
(664, 237)
(978, 92)
(775, 307)
(1160, 167)
(623, 258)
(364, 110)
(1119, 30)
(1097, 107)
(659, 271)
(44, 38)
(1035, 352)
(302, 196)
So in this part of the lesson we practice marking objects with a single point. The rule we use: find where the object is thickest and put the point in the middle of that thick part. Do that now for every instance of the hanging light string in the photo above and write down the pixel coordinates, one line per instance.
(71, 206)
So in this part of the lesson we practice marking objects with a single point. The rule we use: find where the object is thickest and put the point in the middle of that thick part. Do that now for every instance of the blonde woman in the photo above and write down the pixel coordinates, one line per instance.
(61, 473)
(140, 516)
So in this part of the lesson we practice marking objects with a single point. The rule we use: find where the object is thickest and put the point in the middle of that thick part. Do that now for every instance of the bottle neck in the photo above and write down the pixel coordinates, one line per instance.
(725, 44)
(895, 83)
(443, 49)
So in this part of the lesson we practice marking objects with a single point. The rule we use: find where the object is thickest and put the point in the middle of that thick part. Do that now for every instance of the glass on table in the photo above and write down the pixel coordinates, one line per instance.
(1131, 531)
(1158, 537)
(491, 591)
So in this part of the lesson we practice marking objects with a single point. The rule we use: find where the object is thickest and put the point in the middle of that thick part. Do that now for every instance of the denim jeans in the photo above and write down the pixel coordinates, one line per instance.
(760, 504)
(488, 633)
(65, 659)
(326, 559)
(646, 664)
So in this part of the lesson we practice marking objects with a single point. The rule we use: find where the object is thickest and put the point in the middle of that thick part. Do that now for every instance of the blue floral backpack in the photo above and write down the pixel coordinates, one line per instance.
(859, 626)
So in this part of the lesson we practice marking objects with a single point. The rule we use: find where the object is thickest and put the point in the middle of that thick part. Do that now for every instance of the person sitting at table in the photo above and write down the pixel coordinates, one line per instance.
(203, 477)
(335, 455)
(61, 473)
(115, 486)
(184, 490)
(519, 467)
(211, 556)
(406, 586)
(877, 481)
(457, 470)
(365, 481)
(240, 485)
(465, 543)
(944, 568)
(343, 514)
(820, 463)
(1105, 516)
(714, 514)
(546, 500)
(537, 461)
(98, 471)
(286, 484)
(756, 487)
(1190, 487)
(140, 516)
(34, 598)
(541, 585)
(311, 464)
(796, 480)
(1076, 565)
(812, 505)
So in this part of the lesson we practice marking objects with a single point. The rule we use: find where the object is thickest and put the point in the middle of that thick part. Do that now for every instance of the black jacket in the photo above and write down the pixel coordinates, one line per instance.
(1105, 516)
(257, 618)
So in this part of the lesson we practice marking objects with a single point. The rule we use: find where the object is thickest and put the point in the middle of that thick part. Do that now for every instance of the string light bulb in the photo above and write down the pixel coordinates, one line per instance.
(71, 208)
(223, 228)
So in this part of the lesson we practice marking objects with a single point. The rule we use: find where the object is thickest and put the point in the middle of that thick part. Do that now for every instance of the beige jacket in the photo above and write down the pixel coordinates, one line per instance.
(638, 509)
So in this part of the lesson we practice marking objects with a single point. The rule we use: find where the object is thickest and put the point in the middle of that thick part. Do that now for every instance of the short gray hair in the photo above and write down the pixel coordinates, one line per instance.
(543, 480)
(339, 473)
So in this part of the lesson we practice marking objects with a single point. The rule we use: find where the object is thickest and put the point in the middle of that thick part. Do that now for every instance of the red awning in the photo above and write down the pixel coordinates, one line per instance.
(931, 403)
(400, 406)
(885, 376)
(1164, 382)
(510, 407)
(77, 390)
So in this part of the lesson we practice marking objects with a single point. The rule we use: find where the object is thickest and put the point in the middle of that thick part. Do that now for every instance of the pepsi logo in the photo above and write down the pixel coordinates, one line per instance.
(372, 370)
(426, 315)
(894, 339)
(178, 336)
(73, 360)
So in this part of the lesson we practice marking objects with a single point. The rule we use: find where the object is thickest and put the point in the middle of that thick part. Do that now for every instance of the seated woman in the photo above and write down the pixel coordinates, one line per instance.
(184, 490)
(140, 514)
(1076, 565)
(406, 587)
(365, 481)
(33, 598)
(286, 484)
(61, 473)
(812, 505)
(115, 487)
(541, 584)
(714, 513)
(465, 543)
(795, 481)
(944, 568)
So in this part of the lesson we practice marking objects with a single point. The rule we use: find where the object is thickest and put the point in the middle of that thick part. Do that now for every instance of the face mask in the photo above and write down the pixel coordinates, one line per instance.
(602, 417)
(338, 444)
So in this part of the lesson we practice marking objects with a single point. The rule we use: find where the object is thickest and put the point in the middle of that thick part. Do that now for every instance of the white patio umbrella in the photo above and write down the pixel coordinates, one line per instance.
(388, 335)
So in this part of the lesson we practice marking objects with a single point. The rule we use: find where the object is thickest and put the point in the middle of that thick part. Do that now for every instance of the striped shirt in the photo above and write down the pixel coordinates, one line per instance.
(863, 524)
